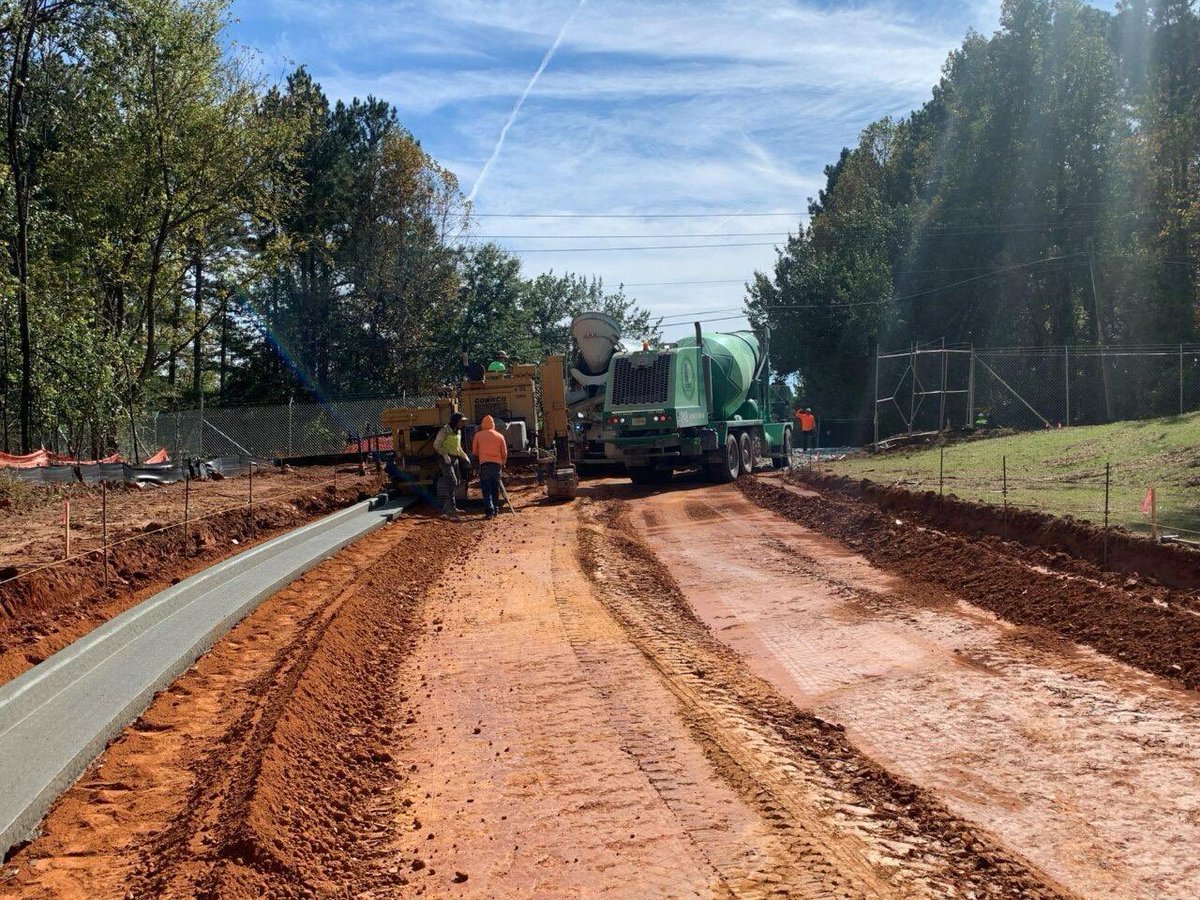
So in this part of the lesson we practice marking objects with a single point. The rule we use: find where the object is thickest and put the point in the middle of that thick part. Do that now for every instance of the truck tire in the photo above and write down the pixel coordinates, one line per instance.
(729, 469)
(784, 457)
(746, 446)
(641, 475)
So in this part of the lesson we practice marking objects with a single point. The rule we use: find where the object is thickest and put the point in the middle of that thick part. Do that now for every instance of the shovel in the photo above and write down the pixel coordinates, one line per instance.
(504, 494)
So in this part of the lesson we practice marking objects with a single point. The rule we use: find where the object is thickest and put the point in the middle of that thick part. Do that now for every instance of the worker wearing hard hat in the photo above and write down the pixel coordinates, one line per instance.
(448, 442)
(491, 450)
(807, 423)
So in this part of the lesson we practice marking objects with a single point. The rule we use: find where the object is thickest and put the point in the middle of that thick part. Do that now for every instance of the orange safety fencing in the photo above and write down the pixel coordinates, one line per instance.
(42, 457)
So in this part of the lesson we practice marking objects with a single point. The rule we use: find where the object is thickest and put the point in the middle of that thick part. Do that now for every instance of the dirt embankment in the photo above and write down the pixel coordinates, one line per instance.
(800, 771)
(267, 769)
(42, 612)
(1028, 582)
(1168, 564)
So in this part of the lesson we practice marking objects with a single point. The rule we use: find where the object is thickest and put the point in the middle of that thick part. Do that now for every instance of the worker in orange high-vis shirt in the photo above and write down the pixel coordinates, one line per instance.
(807, 423)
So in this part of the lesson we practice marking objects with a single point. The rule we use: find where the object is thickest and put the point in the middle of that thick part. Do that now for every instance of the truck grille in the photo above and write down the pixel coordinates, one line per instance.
(639, 385)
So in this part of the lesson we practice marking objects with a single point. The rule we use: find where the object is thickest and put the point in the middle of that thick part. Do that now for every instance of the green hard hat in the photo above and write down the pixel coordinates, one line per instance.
(497, 366)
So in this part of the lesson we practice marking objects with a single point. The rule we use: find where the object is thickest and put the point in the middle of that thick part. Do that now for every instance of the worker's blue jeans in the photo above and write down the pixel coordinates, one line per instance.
(489, 484)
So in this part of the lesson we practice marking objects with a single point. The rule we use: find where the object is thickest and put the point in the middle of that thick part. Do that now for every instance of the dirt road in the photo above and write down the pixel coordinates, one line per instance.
(1090, 767)
(537, 707)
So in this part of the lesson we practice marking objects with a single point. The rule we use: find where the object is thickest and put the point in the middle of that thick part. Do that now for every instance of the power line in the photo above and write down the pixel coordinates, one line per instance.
(716, 215)
(920, 294)
(673, 283)
(644, 247)
(701, 312)
(597, 237)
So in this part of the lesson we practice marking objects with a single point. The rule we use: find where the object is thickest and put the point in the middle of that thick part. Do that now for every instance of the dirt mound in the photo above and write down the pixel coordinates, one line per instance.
(1171, 565)
(1033, 584)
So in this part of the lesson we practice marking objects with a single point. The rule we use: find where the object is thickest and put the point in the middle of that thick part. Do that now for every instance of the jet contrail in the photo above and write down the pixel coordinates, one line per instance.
(487, 167)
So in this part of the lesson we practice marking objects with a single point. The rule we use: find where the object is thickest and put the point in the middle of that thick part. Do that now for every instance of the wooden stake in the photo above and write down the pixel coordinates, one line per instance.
(187, 502)
(67, 527)
(253, 524)
(1107, 483)
(1153, 514)
(104, 526)
(1004, 475)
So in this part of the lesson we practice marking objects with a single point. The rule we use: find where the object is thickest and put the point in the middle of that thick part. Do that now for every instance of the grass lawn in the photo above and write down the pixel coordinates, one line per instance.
(1062, 471)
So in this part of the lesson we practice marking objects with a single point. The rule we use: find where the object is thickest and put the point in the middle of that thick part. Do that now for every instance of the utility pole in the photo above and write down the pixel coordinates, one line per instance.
(1108, 408)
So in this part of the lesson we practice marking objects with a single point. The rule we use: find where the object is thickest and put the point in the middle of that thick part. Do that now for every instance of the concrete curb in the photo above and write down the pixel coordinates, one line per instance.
(57, 717)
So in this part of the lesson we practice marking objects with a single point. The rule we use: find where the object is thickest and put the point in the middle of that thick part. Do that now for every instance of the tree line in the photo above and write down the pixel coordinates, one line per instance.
(175, 229)
(1047, 193)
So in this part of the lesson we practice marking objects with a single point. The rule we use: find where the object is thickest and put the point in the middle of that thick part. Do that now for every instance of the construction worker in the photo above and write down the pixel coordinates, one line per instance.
(448, 442)
(490, 449)
(808, 428)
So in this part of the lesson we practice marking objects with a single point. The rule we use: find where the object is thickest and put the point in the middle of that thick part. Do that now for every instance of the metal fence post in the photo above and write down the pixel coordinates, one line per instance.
(912, 399)
(1181, 379)
(942, 405)
(876, 398)
(1067, 380)
(291, 399)
(941, 470)
(971, 391)
(202, 424)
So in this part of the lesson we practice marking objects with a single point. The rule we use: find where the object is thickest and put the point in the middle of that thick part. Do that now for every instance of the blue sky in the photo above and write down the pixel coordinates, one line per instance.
(670, 106)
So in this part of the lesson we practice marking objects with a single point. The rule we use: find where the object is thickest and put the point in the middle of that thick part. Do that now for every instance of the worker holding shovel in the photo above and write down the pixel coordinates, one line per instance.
(491, 450)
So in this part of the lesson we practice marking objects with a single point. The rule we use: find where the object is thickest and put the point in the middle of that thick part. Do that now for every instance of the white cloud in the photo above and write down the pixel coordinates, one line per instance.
(674, 105)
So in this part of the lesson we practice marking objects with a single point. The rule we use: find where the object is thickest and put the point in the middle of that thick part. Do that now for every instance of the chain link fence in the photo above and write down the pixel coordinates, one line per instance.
(282, 431)
(932, 388)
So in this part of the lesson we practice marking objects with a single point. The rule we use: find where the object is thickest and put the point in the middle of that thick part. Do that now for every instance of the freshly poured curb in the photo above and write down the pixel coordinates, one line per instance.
(57, 717)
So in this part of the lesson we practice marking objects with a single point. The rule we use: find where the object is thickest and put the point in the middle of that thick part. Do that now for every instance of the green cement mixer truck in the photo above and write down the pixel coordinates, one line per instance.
(702, 402)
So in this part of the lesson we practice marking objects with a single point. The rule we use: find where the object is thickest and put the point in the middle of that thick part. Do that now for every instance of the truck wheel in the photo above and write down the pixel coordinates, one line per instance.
(729, 469)
(641, 475)
(785, 449)
(747, 448)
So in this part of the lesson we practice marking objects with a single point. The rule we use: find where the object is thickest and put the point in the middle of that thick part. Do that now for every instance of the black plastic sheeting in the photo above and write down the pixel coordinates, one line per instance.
(123, 473)
(233, 466)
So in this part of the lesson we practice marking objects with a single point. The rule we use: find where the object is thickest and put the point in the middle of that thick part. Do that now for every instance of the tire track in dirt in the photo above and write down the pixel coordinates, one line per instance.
(749, 855)
(1087, 766)
(868, 831)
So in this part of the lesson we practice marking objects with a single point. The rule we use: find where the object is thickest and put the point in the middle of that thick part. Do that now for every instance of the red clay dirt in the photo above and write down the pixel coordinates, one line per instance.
(526, 707)
(267, 769)
(1117, 552)
(42, 612)
(1130, 618)
(1086, 766)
